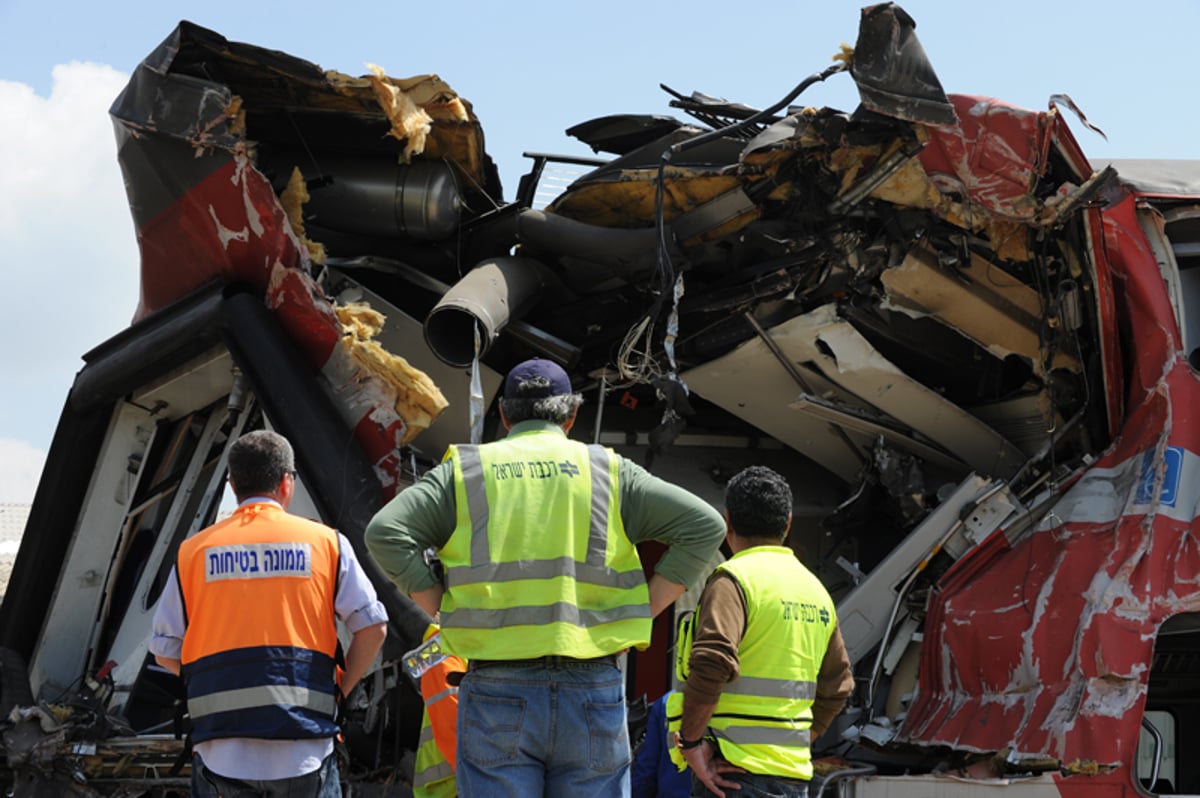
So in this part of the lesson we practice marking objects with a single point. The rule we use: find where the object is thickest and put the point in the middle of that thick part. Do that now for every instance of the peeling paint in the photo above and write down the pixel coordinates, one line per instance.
(1112, 697)
(224, 234)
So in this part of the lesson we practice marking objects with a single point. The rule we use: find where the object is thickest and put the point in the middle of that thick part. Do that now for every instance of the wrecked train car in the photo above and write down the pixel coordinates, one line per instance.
(966, 345)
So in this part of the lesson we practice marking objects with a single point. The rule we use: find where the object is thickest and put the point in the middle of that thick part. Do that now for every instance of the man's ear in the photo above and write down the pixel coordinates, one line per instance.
(286, 490)
(570, 422)
(504, 418)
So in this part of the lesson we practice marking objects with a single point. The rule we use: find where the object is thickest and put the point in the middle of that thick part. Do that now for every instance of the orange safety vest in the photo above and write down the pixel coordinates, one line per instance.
(436, 760)
(259, 652)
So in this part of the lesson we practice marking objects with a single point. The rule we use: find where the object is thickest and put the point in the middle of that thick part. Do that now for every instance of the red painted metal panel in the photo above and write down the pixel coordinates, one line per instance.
(993, 157)
(230, 227)
(1044, 647)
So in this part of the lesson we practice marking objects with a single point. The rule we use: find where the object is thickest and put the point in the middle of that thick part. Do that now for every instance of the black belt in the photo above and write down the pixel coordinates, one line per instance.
(548, 661)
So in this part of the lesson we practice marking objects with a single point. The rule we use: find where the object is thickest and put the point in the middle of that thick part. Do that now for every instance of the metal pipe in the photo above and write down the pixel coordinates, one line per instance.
(600, 406)
(1158, 749)
(561, 352)
(842, 775)
(628, 252)
(418, 200)
(495, 292)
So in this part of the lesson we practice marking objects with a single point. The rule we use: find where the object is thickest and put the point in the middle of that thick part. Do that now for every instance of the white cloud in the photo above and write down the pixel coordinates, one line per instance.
(20, 469)
(69, 251)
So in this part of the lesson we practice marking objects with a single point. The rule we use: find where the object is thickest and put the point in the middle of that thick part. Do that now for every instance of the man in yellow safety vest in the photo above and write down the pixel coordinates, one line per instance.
(543, 589)
(766, 667)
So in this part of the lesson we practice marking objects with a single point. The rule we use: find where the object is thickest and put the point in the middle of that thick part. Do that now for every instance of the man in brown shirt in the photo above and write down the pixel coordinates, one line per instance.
(765, 617)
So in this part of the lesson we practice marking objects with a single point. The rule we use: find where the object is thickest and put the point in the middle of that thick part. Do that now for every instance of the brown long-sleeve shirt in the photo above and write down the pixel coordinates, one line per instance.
(720, 625)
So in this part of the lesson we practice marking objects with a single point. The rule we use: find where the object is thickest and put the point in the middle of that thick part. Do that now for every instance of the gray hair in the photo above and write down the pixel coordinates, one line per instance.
(547, 408)
(258, 461)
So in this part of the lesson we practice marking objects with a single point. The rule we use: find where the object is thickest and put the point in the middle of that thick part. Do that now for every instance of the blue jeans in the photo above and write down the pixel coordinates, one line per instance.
(755, 785)
(324, 782)
(528, 729)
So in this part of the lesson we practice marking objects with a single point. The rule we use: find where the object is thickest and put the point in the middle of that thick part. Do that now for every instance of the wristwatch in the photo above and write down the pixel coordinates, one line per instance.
(686, 745)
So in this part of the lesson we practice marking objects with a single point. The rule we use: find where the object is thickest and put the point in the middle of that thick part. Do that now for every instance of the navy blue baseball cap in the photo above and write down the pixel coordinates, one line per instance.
(559, 384)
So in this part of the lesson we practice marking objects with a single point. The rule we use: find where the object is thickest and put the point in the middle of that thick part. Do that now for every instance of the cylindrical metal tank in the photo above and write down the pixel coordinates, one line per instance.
(417, 200)
(495, 292)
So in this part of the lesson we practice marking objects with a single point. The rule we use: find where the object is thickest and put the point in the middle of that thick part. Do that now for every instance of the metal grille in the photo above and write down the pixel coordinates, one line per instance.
(556, 178)
(551, 175)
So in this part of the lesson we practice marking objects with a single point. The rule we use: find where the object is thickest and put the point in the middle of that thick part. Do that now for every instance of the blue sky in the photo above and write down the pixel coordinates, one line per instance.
(531, 69)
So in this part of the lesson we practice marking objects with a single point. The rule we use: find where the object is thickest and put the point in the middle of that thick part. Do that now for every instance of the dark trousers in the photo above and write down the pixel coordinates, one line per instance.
(755, 785)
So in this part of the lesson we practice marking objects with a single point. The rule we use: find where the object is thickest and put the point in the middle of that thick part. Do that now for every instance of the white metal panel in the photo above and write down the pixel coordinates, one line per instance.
(59, 658)
(753, 385)
(863, 614)
(847, 359)
(132, 640)
(197, 383)
(1043, 786)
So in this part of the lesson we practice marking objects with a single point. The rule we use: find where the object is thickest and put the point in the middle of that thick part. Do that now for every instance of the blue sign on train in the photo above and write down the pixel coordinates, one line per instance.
(1173, 462)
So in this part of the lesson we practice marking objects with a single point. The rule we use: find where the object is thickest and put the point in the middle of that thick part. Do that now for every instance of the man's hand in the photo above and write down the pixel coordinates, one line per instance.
(364, 645)
(705, 762)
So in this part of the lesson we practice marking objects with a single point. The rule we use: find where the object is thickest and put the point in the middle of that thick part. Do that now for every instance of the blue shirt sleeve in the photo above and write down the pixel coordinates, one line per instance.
(356, 602)
(167, 628)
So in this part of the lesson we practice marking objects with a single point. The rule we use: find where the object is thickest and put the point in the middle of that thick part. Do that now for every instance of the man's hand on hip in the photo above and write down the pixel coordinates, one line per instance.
(706, 762)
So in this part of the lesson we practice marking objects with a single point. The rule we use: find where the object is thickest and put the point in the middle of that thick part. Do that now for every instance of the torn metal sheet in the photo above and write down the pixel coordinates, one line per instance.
(751, 384)
(980, 300)
(1074, 606)
(823, 342)
(893, 75)
(863, 614)
(238, 229)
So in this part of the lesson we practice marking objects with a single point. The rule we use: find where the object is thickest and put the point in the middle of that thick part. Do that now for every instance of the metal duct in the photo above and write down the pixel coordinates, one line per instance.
(418, 200)
(495, 292)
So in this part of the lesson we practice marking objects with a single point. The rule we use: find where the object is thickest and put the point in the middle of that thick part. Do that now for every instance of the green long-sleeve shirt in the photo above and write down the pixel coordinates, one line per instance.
(423, 516)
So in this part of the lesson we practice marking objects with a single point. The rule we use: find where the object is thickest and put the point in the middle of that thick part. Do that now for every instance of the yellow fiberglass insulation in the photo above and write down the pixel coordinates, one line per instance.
(417, 399)
(292, 199)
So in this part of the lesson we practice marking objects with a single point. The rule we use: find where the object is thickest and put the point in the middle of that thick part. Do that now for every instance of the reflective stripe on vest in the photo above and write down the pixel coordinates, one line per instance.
(482, 569)
(433, 699)
(777, 736)
(258, 652)
(789, 736)
(573, 590)
(432, 775)
(784, 689)
(262, 696)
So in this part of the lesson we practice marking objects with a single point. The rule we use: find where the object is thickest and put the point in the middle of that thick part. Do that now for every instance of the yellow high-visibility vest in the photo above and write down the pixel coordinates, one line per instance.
(539, 563)
(762, 718)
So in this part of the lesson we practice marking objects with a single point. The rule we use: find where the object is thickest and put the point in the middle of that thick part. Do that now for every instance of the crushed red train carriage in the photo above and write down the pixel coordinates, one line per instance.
(968, 347)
